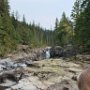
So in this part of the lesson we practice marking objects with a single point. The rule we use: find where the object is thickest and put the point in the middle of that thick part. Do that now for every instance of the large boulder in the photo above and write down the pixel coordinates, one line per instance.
(66, 51)
(69, 51)
(56, 51)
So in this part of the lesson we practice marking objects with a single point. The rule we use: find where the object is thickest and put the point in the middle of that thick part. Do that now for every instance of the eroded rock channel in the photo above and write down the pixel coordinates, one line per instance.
(48, 74)
(23, 72)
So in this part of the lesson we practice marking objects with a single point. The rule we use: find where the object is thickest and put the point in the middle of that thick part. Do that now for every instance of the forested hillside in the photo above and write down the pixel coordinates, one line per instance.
(14, 32)
(63, 31)
(76, 31)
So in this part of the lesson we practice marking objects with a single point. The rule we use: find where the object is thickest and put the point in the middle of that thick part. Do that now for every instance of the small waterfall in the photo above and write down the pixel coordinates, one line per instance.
(47, 53)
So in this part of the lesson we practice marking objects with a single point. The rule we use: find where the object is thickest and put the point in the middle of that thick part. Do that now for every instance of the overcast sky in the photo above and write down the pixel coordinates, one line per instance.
(42, 11)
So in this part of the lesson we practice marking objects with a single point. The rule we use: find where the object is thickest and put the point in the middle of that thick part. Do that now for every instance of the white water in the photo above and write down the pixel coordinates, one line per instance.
(47, 54)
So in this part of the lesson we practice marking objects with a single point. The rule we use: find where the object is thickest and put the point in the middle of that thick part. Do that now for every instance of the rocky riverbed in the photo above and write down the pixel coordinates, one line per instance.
(47, 74)
(27, 69)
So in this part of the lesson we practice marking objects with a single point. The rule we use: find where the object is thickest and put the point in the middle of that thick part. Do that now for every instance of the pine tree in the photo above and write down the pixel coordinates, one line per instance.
(6, 28)
(14, 32)
(64, 31)
(56, 24)
(82, 27)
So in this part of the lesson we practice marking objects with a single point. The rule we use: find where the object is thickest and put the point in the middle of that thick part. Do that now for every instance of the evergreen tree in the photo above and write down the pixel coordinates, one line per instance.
(14, 32)
(64, 31)
(6, 28)
(82, 27)
(56, 24)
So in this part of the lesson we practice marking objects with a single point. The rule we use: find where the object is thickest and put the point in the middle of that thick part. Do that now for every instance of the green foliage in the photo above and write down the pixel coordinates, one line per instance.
(7, 35)
(76, 9)
(64, 31)
(6, 43)
(82, 26)
(14, 32)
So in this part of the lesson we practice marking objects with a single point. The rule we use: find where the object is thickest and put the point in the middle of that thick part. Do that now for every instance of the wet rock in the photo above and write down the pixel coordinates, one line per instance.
(20, 65)
(6, 64)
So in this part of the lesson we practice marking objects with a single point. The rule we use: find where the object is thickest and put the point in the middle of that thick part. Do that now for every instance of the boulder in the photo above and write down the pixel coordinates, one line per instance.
(56, 51)
(69, 51)
(20, 65)
(66, 51)
(6, 64)
(29, 83)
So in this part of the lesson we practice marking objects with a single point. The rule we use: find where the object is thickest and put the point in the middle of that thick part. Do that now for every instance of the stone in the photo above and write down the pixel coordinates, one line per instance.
(64, 85)
(56, 51)
(30, 83)
(20, 65)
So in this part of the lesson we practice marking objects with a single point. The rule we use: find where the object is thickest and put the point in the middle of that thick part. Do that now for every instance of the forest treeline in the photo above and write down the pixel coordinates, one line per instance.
(14, 32)
(76, 31)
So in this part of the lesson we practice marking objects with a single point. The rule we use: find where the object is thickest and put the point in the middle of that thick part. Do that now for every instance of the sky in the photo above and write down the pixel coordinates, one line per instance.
(43, 12)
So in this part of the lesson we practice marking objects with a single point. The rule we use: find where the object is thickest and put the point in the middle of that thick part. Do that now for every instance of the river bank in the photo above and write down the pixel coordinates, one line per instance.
(28, 69)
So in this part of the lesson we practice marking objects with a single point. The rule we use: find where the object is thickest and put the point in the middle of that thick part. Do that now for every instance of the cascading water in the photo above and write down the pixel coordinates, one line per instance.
(47, 53)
